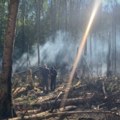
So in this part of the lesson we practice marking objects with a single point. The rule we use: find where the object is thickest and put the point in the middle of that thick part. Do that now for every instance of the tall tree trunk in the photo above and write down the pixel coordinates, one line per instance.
(109, 57)
(38, 25)
(114, 38)
(91, 55)
(5, 81)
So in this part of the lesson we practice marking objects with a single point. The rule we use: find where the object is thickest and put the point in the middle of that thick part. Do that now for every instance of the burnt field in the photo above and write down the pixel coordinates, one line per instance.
(95, 98)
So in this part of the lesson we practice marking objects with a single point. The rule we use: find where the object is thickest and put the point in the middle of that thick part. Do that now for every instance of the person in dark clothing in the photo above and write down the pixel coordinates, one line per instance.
(53, 74)
(45, 77)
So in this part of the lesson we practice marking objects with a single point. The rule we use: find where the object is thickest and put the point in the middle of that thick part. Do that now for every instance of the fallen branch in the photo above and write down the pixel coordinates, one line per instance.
(19, 91)
(48, 104)
(82, 114)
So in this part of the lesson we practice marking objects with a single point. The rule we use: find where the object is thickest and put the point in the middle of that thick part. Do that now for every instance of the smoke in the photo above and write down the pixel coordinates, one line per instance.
(57, 51)
(61, 50)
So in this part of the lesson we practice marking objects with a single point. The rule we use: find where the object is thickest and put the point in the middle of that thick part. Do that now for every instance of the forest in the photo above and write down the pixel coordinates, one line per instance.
(79, 39)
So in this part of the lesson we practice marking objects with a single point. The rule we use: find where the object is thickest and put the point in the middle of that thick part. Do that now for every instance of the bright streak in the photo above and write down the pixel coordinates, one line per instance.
(81, 48)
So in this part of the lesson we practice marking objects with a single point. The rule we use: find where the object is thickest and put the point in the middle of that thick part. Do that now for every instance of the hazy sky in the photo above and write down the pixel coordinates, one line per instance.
(109, 2)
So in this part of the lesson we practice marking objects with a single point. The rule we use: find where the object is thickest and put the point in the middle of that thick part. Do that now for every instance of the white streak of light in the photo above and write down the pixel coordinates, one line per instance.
(81, 48)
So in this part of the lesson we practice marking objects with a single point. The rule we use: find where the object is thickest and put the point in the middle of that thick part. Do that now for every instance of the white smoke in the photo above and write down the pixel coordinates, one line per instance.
(62, 50)
(62, 46)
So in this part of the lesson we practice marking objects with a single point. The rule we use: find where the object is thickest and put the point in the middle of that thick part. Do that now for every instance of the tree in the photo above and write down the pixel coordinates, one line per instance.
(39, 5)
(5, 80)
(3, 21)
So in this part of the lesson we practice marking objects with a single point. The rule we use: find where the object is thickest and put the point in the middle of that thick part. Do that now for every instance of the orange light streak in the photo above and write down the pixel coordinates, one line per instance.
(81, 48)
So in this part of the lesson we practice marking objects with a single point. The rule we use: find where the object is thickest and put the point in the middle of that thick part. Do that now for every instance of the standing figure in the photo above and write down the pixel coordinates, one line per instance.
(45, 78)
(30, 78)
(53, 74)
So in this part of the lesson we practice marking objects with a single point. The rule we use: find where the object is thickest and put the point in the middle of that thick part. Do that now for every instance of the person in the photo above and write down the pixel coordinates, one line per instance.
(30, 78)
(53, 74)
(109, 73)
(45, 77)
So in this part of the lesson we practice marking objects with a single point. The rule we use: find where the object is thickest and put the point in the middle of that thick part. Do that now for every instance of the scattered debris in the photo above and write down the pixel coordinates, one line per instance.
(96, 99)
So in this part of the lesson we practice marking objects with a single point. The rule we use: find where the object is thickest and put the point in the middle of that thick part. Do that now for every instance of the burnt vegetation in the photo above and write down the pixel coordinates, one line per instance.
(94, 98)
(49, 33)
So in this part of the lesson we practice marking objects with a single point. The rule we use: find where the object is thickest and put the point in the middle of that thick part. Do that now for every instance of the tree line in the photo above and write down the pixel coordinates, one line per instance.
(35, 20)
